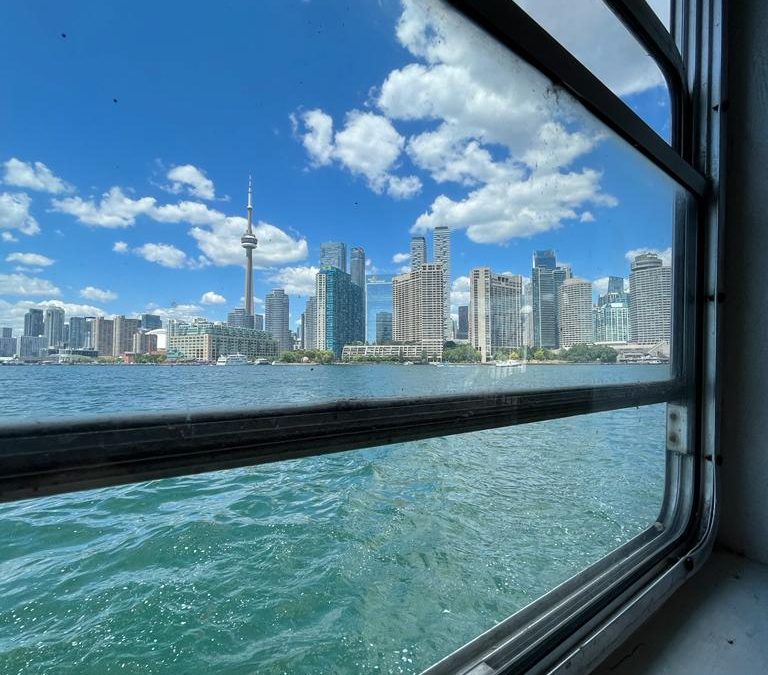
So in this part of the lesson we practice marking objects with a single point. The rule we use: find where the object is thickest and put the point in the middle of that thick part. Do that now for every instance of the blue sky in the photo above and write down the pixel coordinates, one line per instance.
(129, 130)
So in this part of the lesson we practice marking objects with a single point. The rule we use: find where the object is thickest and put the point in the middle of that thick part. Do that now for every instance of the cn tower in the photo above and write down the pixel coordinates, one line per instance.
(249, 242)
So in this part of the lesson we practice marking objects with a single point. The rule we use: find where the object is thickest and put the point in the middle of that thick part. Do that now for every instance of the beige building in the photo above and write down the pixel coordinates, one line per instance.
(102, 335)
(206, 341)
(495, 305)
(123, 332)
(575, 313)
(418, 309)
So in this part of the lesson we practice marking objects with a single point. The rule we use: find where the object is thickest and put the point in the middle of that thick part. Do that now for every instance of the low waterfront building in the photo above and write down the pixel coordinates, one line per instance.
(401, 352)
(206, 341)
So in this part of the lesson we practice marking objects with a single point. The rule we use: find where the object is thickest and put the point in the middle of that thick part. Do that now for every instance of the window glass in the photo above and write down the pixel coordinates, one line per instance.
(381, 560)
(419, 195)
(594, 35)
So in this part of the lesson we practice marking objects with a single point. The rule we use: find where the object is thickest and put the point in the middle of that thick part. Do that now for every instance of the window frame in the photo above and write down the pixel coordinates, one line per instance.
(579, 622)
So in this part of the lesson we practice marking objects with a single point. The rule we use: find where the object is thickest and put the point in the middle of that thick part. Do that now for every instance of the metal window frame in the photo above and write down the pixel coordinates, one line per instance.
(575, 625)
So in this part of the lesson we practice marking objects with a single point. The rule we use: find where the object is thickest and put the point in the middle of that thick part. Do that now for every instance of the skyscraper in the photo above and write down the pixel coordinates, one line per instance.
(33, 322)
(418, 252)
(340, 317)
(151, 322)
(418, 308)
(276, 319)
(7, 342)
(357, 266)
(249, 242)
(575, 313)
(611, 319)
(383, 327)
(495, 301)
(309, 325)
(378, 298)
(123, 330)
(6, 332)
(546, 279)
(238, 318)
(442, 244)
(102, 333)
(615, 284)
(78, 332)
(650, 301)
(462, 330)
(53, 326)
(333, 254)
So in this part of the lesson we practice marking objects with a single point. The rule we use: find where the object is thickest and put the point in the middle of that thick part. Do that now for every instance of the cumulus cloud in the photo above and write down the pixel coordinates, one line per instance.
(296, 280)
(7, 236)
(401, 258)
(115, 209)
(460, 291)
(586, 217)
(34, 176)
(368, 145)
(166, 255)
(120, 247)
(192, 180)
(212, 298)
(15, 215)
(30, 259)
(177, 311)
(220, 242)
(97, 294)
(21, 284)
(665, 254)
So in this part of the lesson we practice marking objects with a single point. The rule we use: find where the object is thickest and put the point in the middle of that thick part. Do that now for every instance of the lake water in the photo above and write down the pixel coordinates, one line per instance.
(379, 560)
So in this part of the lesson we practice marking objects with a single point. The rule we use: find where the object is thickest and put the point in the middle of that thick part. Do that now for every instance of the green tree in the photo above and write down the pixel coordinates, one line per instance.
(460, 353)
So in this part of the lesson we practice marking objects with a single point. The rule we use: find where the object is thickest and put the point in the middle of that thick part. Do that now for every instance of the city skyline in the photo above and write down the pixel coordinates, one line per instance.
(150, 214)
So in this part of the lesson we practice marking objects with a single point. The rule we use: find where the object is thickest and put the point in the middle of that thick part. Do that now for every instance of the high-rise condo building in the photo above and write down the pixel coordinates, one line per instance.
(333, 254)
(144, 342)
(546, 279)
(442, 244)
(383, 327)
(34, 323)
(615, 285)
(650, 300)
(418, 252)
(495, 301)
(276, 319)
(53, 326)
(78, 332)
(102, 334)
(378, 298)
(575, 313)
(340, 313)
(462, 330)
(33, 347)
(7, 342)
(418, 309)
(258, 322)
(122, 336)
(151, 322)
(309, 325)
(357, 265)
(249, 242)
(238, 318)
(612, 318)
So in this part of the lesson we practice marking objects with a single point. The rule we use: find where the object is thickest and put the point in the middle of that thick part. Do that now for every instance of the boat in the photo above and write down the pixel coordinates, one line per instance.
(509, 363)
(262, 362)
(233, 360)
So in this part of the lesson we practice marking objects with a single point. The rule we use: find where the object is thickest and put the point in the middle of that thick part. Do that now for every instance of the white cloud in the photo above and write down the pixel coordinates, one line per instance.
(190, 179)
(460, 291)
(7, 236)
(221, 243)
(163, 254)
(15, 215)
(120, 247)
(33, 175)
(212, 298)
(180, 312)
(296, 280)
(665, 255)
(401, 258)
(31, 259)
(97, 294)
(21, 284)
(114, 210)
(193, 213)
(586, 217)
(368, 145)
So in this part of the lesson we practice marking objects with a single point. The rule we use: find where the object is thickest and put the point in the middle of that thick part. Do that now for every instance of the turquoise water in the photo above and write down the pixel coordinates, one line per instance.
(381, 560)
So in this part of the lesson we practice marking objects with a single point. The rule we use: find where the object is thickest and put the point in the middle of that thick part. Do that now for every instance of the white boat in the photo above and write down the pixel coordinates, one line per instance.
(262, 362)
(509, 363)
(233, 360)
